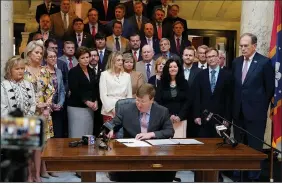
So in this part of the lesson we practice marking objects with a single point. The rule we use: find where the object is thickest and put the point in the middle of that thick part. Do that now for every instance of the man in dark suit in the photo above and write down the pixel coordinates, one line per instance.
(79, 37)
(106, 9)
(169, 21)
(46, 8)
(253, 87)
(130, 8)
(134, 44)
(159, 29)
(100, 42)
(213, 89)
(151, 5)
(190, 74)
(45, 25)
(137, 21)
(93, 26)
(178, 42)
(149, 39)
(164, 51)
(126, 27)
(201, 52)
(143, 119)
(164, 6)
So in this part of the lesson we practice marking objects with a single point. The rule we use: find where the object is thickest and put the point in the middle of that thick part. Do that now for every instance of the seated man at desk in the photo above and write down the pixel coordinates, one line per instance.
(143, 119)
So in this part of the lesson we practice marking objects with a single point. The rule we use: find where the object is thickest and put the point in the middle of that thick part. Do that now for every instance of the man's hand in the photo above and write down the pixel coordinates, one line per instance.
(172, 118)
(198, 121)
(176, 119)
(110, 134)
(144, 136)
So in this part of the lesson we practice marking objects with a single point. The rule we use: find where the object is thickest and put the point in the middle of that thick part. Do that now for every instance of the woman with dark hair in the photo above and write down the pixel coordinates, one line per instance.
(83, 98)
(173, 93)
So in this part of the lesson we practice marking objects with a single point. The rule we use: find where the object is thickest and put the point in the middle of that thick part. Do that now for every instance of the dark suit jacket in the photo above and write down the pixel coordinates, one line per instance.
(134, 26)
(139, 57)
(126, 28)
(130, 9)
(42, 9)
(98, 4)
(176, 105)
(184, 43)
(81, 88)
(156, 44)
(218, 102)
(128, 118)
(87, 40)
(64, 69)
(164, 30)
(151, 7)
(171, 56)
(169, 21)
(30, 36)
(101, 28)
(105, 60)
(194, 71)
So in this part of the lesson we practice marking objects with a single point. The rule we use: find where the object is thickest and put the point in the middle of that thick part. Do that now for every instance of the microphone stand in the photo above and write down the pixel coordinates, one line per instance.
(247, 132)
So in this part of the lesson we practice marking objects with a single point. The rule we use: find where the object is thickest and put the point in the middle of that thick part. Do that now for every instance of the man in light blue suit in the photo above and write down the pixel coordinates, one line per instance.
(119, 14)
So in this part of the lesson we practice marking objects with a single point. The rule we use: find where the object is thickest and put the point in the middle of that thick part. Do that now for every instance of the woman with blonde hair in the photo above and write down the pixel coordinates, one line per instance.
(41, 80)
(137, 78)
(15, 91)
(115, 84)
(159, 65)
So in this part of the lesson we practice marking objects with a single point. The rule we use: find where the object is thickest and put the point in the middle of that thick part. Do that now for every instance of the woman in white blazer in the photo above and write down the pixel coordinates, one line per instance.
(115, 84)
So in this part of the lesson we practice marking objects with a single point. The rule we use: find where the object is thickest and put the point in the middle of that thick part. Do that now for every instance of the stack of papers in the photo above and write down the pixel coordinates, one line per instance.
(173, 141)
(133, 143)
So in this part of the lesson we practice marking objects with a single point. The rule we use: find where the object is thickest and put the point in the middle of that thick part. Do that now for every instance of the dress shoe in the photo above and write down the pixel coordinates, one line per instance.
(45, 175)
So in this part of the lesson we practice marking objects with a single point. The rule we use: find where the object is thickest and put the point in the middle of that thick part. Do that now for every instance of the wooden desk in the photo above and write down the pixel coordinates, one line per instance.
(206, 159)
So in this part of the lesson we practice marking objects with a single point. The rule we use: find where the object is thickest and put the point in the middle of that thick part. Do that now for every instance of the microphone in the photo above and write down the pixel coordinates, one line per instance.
(221, 131)
(105, 129)
(208, 115)
(85, 140)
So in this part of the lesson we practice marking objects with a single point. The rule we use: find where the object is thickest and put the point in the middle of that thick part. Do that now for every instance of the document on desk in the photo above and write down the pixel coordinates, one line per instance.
(173, 141)
(133, 143)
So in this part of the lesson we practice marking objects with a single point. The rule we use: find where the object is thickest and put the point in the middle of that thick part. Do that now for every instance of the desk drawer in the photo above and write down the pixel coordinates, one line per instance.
(156, 165)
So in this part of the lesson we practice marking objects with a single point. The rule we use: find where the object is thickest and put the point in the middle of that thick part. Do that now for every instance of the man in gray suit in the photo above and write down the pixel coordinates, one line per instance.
(146, 66)
(164, 47)
(143, 119)
(68, 57)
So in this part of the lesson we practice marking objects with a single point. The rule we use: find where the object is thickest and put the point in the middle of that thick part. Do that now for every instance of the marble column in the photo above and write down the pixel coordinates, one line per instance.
(257, 18)
(7, 33)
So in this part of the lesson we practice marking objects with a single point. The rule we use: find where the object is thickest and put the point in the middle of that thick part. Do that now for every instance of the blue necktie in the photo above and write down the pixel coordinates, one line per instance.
(213, 80)
(101, 56)
(148, 72)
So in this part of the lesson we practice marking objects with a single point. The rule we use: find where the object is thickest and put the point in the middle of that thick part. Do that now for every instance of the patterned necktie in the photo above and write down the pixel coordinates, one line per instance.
(159, 31)
(117, 44)
(144, 124)
(65, 22)
(101, 56)
(213, 80)
(178, 45)
(70, 62)
(245, 70)
(106, 7)
(93, 31)
(79, 39)
(148, 71)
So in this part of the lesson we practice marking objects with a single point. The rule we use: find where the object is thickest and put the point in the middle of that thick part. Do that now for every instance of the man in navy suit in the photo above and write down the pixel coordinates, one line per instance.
(93, 26)
(100, 42)
(46, 8)
(130, 8)
(149, 39)
(213, 92)
(253, 87)
(106, 9)
(126, 27)
(159, 29)
(134, 44)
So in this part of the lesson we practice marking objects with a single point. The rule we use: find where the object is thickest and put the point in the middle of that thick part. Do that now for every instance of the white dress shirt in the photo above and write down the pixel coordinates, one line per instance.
(187, 72)
(137, 53)
(119, 40)
(180, 39)
(151, 65)
(122, 21)
(249, 62)
(151, 41)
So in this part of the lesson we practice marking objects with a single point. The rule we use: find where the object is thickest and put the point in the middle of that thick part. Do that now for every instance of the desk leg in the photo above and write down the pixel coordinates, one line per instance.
(88, 176)
(206, 176)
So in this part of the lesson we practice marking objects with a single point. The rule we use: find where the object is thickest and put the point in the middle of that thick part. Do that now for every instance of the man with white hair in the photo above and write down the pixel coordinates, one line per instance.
(222, 59)
(146, 66)
(164, 48)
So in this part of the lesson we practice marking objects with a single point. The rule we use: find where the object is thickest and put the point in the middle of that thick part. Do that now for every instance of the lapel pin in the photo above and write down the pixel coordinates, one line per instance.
(255, 61)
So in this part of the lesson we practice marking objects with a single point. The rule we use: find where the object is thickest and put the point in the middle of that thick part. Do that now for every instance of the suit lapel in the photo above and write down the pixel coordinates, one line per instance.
(152, 118)
(207, 79)
(60, 20)
(136, 120)
(253, 66)
(191, 76)
(218, 81)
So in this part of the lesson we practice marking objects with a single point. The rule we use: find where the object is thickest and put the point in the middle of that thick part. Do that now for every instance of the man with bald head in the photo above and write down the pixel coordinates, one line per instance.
(146, 66)
(149, 39)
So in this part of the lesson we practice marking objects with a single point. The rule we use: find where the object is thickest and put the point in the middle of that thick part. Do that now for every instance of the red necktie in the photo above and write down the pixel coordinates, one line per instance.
(135, 56)
(159, 31)
(70, 62)
(178, 45)
(93, 31)
(106, 6)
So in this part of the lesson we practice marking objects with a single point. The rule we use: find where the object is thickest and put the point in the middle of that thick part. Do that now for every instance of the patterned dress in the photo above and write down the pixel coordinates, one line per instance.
(17, 95)
(44, 90)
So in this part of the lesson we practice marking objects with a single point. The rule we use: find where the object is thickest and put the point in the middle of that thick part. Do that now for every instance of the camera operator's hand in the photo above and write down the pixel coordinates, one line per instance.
(110, 134)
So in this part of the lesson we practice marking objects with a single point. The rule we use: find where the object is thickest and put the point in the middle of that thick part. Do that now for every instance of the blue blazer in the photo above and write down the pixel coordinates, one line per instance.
(126, 28)
(59, 96)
